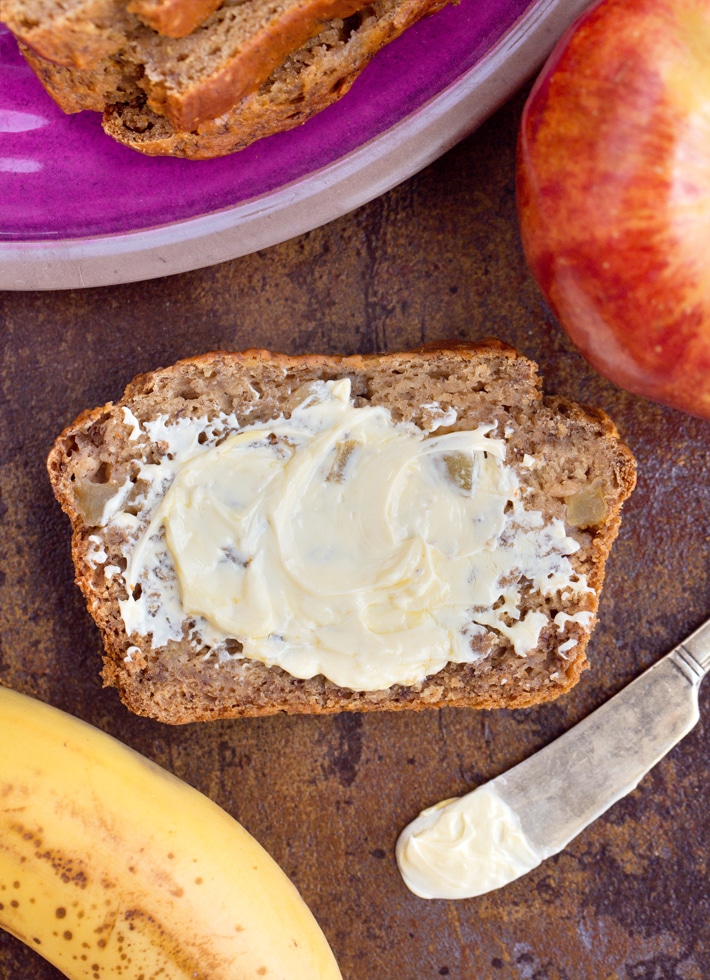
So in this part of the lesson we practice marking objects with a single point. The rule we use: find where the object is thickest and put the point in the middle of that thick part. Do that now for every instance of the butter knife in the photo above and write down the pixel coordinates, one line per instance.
(465, 847)
(564, 787)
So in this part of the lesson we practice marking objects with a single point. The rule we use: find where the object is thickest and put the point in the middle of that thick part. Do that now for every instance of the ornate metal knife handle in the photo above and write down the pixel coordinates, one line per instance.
(692, 656)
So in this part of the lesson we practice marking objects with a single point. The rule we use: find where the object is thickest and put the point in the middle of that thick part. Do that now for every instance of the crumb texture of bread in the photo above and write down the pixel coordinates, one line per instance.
(571, 465)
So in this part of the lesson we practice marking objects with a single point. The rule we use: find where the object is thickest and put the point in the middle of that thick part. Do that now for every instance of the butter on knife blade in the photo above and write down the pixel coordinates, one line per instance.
(473, 844)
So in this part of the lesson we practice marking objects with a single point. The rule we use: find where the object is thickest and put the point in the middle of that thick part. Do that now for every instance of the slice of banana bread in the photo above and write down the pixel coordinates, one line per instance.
(257, 533)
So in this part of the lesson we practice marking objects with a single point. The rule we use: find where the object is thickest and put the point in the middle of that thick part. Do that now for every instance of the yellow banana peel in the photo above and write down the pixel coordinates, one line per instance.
(111, 867)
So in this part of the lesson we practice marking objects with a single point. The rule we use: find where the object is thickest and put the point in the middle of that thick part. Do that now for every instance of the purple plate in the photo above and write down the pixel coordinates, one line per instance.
(77, 209)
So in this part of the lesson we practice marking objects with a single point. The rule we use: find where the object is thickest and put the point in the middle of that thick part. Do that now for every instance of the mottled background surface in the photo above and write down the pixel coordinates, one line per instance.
(437, 257)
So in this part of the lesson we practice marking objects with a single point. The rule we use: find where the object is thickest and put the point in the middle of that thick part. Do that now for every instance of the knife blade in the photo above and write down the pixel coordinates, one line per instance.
(503, 829)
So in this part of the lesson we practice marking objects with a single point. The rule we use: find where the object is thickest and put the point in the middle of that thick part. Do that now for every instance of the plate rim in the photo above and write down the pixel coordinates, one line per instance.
(311, 201)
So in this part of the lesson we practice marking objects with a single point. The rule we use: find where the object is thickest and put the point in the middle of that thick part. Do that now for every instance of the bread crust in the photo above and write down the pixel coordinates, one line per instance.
(483, 381)
(173, 18)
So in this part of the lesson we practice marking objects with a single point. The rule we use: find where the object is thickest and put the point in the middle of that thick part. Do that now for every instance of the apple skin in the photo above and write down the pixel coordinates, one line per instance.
(613, 192)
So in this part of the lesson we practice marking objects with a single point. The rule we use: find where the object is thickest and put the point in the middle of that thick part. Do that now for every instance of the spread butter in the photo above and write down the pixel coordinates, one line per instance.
(335, 541)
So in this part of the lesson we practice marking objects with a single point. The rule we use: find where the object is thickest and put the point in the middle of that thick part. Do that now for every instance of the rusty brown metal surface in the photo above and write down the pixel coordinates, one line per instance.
(438, 257)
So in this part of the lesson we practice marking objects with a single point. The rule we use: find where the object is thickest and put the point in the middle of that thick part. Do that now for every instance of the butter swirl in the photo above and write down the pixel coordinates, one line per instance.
(337, 542)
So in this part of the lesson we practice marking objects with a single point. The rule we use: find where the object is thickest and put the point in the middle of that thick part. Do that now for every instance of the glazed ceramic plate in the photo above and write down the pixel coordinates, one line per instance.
(77, 209)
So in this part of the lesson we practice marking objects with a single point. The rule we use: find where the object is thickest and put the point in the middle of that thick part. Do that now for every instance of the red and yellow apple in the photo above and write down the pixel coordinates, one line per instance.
(613, 185)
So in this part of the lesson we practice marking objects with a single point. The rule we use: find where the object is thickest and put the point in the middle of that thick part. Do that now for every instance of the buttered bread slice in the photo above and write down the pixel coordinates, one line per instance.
(257, 533)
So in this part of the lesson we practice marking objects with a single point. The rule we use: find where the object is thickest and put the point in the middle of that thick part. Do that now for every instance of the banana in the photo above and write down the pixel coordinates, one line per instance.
(111, 867)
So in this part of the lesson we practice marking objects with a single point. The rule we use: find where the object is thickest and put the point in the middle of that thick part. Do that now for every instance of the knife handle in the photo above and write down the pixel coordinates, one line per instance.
(573, 780)
(693, 654)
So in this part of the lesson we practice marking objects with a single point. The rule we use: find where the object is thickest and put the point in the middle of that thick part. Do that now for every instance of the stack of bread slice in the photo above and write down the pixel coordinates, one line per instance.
(203, 78)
